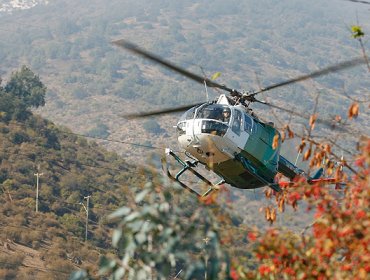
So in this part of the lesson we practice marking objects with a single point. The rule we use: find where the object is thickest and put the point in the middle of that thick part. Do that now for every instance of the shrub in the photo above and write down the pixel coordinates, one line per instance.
(152, 126)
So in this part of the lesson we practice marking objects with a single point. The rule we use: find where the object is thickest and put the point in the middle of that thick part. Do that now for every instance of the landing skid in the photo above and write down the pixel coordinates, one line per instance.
(188, 165)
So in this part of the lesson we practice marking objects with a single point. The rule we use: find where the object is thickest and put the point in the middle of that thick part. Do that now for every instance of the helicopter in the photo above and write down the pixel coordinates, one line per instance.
(227, 137)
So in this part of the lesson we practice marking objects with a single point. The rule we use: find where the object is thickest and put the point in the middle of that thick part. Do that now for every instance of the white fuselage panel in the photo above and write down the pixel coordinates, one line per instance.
(205, 147)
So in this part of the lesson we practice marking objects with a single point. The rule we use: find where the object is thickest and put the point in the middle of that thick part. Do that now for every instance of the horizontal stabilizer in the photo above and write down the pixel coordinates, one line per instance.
(288, 169)
(317, 175)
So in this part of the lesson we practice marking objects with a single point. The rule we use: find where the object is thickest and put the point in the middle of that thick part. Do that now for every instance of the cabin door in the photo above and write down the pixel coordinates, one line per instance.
(237, 133)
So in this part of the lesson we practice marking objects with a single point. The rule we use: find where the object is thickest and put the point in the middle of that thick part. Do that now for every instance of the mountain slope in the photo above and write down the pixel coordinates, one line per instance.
(91, 84)
(72, 168)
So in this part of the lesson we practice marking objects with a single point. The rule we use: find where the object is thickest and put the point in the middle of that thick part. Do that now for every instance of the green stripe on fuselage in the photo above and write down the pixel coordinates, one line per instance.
(261, 157)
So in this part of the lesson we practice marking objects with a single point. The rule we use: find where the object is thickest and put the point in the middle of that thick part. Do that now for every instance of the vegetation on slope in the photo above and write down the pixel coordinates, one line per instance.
(71, 167)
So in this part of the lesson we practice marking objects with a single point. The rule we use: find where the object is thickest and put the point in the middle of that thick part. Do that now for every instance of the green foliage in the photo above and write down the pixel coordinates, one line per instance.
(161, 233)
(216, 75)
(100, 130)
(152, 126)
(19, 137)
(72, 223)
(27, 87)
(357, 32)
(79, 93)
(22, 92)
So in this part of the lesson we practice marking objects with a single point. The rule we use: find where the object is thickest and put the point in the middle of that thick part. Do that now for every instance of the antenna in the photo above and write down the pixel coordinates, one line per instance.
(205, 82)
(87, 213)
(205, 85)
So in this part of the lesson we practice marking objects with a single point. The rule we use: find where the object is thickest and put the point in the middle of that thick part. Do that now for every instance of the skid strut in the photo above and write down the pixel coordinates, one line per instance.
(188, 165)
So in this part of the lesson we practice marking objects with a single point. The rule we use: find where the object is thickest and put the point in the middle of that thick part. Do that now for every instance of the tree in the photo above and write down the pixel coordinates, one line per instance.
(26, 86)
(23, 91)
(101, 130)
(152, 126)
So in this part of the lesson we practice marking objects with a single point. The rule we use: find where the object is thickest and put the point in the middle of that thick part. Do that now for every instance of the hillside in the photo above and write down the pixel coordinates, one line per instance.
(48, 242)
(72, 168)
(91, 83)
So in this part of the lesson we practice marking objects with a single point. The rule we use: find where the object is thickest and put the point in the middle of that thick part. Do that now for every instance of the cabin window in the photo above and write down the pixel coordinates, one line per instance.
(255, 127)
(236, 122)
(248, 124)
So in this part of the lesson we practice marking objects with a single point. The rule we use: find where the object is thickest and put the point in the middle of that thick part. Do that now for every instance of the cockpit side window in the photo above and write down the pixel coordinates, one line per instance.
(248, 124)
(190, 114)
(236, 122)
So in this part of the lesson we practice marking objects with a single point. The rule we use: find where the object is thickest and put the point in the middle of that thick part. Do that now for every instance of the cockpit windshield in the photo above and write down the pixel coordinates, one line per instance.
(211, 111)
(189, 114)
(215, 112)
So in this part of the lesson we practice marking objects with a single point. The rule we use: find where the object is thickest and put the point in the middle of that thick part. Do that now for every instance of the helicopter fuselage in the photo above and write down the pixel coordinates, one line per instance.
(240, 149)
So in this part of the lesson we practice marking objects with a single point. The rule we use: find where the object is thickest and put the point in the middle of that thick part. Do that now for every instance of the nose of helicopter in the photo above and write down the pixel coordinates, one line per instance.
(207, 148)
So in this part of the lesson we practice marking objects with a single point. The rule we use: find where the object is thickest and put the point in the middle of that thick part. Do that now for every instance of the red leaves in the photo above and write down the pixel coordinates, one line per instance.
(290, 271)
(345, 267)
(360, 214)
(209, 199)
(281, 204)
(338, 118)
(264, 269)
(268, 193)
(252, 236)
(312, 121)
(336, 244)
(327, 149)
(234, 274)
(360, 162)
(319, 153)
(307, 154)
(275, 141)
(270, 214)
(293, 198)
(353, 110)
(287, 132)
(302, 146)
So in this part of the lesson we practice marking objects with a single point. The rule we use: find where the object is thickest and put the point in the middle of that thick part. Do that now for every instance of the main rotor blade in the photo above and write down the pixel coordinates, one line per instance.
(153, 57)
(161, 112)
(303, 116)
(325, 71)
